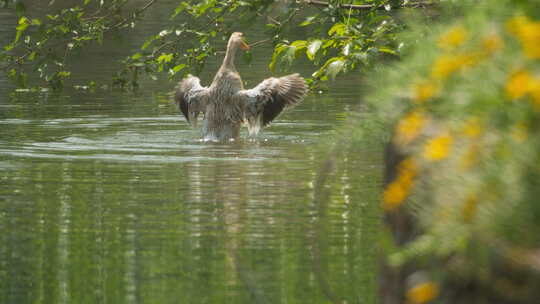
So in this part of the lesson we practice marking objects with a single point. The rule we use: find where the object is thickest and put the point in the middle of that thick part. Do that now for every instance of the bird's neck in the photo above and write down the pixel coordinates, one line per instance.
(228, 61)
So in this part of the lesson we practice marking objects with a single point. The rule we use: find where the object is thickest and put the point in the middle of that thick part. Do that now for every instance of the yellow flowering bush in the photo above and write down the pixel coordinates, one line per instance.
(422, 293)
(395, 194)
(425, 90)
(453, 38)
(464, 106)
(410, 127)
(438, 148)
(518, 84)
(528, 33)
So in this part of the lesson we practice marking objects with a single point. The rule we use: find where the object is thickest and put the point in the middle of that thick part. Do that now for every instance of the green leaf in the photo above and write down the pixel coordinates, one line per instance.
(147, 43)
(12, 73)
(339, 29)
(201, 56)
(83, 38)
(387, 50)
(308, 21)
(164, 58)
(64, 74)
(313, 48)
(22, 27)
(23, 24)
(64, 29)
(136, 56)
(299, 44)
(180, 8)
(277, 52)
(23, 20)
(334, 66)
(20, 30)
(290, 54)
(329, 43)
(178, 68)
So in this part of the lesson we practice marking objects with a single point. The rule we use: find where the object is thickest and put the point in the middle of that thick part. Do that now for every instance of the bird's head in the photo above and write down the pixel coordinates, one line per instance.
(238, 39)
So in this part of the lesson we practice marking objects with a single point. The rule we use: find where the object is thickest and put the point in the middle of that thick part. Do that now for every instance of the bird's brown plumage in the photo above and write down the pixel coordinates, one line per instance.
(226, 105)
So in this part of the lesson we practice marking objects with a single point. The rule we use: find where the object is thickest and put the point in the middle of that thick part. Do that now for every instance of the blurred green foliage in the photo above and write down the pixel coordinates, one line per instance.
(464, 107)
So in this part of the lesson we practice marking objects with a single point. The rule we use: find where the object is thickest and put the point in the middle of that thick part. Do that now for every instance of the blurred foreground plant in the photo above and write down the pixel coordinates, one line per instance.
(466, 110)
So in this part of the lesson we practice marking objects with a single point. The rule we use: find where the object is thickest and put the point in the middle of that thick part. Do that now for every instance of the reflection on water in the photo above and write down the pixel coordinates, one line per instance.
(111, 197)
(100, 208)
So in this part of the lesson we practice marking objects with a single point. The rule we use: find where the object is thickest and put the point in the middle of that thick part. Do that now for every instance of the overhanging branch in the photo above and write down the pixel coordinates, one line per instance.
(415, 4)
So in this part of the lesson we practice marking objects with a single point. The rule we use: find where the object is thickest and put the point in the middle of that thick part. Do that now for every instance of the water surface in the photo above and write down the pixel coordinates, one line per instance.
(111, 197)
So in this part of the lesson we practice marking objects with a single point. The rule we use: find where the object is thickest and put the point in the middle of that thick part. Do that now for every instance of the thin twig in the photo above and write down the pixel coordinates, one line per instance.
(148, 5)
(254, 44)
(365, 6)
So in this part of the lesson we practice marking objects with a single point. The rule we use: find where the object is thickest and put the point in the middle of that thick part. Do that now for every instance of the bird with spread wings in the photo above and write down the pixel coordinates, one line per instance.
(226, 105)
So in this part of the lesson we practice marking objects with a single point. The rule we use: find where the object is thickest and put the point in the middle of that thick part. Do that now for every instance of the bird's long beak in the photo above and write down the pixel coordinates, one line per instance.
(244, 46)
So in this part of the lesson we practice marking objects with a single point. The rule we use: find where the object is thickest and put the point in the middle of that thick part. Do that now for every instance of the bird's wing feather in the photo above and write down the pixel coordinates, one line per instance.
(267, 100)
(191, 98)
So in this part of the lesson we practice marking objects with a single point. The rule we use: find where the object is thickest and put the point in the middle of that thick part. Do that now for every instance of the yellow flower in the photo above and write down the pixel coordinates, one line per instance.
(409, 127)
(438, 147)
(394, 195)
(492, 43)
(445, 65)
(453, 38)
(534, 89)
(423, 293)
(515, 24)
(518, 84)
(425, 90)
(528, 33)
(396, 192)
(521, 83)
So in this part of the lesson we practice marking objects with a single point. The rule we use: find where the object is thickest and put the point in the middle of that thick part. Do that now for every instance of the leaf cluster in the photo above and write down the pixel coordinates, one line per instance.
(341, 41)
(42, 46)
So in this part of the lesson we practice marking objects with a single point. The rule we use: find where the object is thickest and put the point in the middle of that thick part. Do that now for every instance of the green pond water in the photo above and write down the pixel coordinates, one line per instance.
(111, 197)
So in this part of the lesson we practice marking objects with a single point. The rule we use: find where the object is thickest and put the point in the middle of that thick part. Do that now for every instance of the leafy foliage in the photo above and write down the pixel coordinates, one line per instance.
(42, 46)
(343, 39)
(354, 39)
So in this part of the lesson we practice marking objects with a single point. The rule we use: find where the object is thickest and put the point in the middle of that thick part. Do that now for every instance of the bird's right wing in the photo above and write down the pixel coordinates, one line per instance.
(267, 100)
(191, 98)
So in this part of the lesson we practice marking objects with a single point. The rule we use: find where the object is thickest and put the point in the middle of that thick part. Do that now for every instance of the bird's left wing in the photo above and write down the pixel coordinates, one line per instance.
(267, 100)
(191, 98)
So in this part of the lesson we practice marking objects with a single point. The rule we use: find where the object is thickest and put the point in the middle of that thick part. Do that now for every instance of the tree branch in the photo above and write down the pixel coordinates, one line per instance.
(148, 5)
(366, 6)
